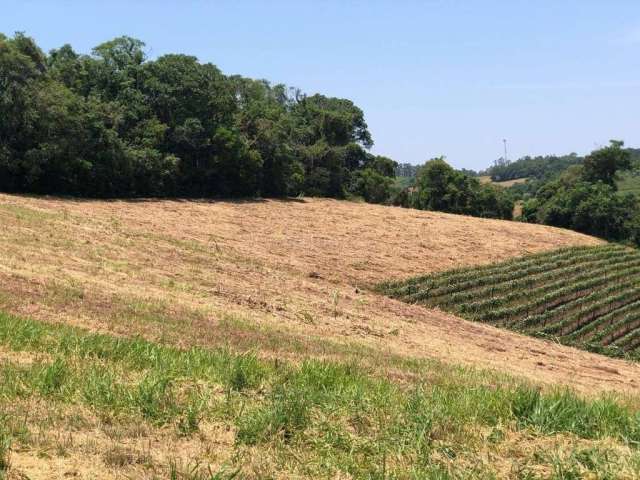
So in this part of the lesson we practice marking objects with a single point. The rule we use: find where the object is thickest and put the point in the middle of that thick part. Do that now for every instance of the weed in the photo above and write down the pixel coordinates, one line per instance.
(5, 449)
(155, 398)
(52, 377)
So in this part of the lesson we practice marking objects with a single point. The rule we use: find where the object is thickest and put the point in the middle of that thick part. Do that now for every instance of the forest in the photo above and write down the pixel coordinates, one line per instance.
(115, 124)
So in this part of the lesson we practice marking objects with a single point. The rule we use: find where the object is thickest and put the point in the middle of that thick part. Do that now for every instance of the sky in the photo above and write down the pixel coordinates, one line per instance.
(450, 78)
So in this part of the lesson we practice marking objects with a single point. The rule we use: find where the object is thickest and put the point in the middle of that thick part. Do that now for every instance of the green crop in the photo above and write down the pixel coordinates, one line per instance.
(587, 297)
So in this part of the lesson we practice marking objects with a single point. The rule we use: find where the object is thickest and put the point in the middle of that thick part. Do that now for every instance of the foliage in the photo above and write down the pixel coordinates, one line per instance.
(603, 164)
(440, 187)
(115, 124)
(539, 167)
(585, 198)
(372, 185)
(407, 170)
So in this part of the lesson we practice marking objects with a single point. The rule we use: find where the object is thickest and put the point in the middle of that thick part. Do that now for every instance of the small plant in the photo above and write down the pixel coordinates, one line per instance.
(243, 371)
(5, 450)
(52, 377)
(154, 399)
(335, 300)
(189, 422)
(196, 471)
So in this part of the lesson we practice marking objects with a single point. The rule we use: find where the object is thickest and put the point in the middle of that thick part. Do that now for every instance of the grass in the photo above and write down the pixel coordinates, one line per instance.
(587, 297)
(265, 355)
(5, 450)
(486, 179)
(312, 419)
(629, 182)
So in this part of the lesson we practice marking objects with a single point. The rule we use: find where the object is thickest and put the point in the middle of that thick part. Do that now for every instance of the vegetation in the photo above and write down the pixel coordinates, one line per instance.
(588, 297)
(541, 167)
(438, 186)
(316, 419)
(407, 170)
(629, 182)
(584, 198)
(115, 124)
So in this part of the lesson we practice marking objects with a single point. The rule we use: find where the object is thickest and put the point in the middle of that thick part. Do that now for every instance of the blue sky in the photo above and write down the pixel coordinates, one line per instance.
(433, 78)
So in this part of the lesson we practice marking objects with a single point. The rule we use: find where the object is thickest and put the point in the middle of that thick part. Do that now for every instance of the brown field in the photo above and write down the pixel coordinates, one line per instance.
(288, 279)
(506, 183)
(252, 273)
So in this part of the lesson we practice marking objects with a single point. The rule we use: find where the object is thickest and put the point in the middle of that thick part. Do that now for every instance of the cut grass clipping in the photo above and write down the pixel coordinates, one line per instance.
(587, 297)
(315, 419)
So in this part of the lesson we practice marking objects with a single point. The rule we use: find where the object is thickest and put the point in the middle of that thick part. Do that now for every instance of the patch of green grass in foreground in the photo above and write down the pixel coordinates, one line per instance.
(316, 418)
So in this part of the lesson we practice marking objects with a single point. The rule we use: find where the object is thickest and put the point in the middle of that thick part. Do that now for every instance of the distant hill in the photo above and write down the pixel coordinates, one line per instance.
(532, 167)
(540, 167)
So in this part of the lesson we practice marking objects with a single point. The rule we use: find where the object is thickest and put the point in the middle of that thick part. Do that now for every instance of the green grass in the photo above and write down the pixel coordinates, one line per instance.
(629, 182)
(5, 446)
(316, 418)
(587, 297)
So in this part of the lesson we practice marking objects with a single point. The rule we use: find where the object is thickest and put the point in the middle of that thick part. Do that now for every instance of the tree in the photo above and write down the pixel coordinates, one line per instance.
(433, 183)
(602, 164)
(441, 187)
(371, 185)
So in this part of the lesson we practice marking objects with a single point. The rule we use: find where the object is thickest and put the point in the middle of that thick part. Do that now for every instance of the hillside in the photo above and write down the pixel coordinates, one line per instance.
(269, 285)
(303, 267)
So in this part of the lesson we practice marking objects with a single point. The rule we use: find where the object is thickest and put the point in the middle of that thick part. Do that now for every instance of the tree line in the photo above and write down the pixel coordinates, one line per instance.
(585, 197)
(539, 167)
(438, 186)
(116, 124)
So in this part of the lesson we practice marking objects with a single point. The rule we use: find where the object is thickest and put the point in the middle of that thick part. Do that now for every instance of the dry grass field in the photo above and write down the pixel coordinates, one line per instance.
(507, 183)
(288, 280)
(180, 270)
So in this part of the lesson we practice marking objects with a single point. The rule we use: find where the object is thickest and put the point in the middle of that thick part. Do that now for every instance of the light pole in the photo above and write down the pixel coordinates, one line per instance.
(504, 140)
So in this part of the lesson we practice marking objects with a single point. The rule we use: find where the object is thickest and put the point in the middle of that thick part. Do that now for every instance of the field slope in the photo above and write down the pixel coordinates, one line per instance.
(196, 339)
(251, 273)
(587, 297)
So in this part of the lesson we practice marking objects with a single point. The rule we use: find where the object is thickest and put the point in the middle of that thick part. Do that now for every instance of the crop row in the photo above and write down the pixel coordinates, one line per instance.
(536, 303)
(587, 296)
(597, 317)
(519, 266)
(443, 284)
(601, 324)
(505, 292)
(583, 309)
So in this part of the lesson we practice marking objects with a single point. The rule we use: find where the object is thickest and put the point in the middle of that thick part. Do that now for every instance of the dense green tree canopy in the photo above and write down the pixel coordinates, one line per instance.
(602, 164)
(114, 123)
(541, 167)
(440, 187)
(585, 198)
